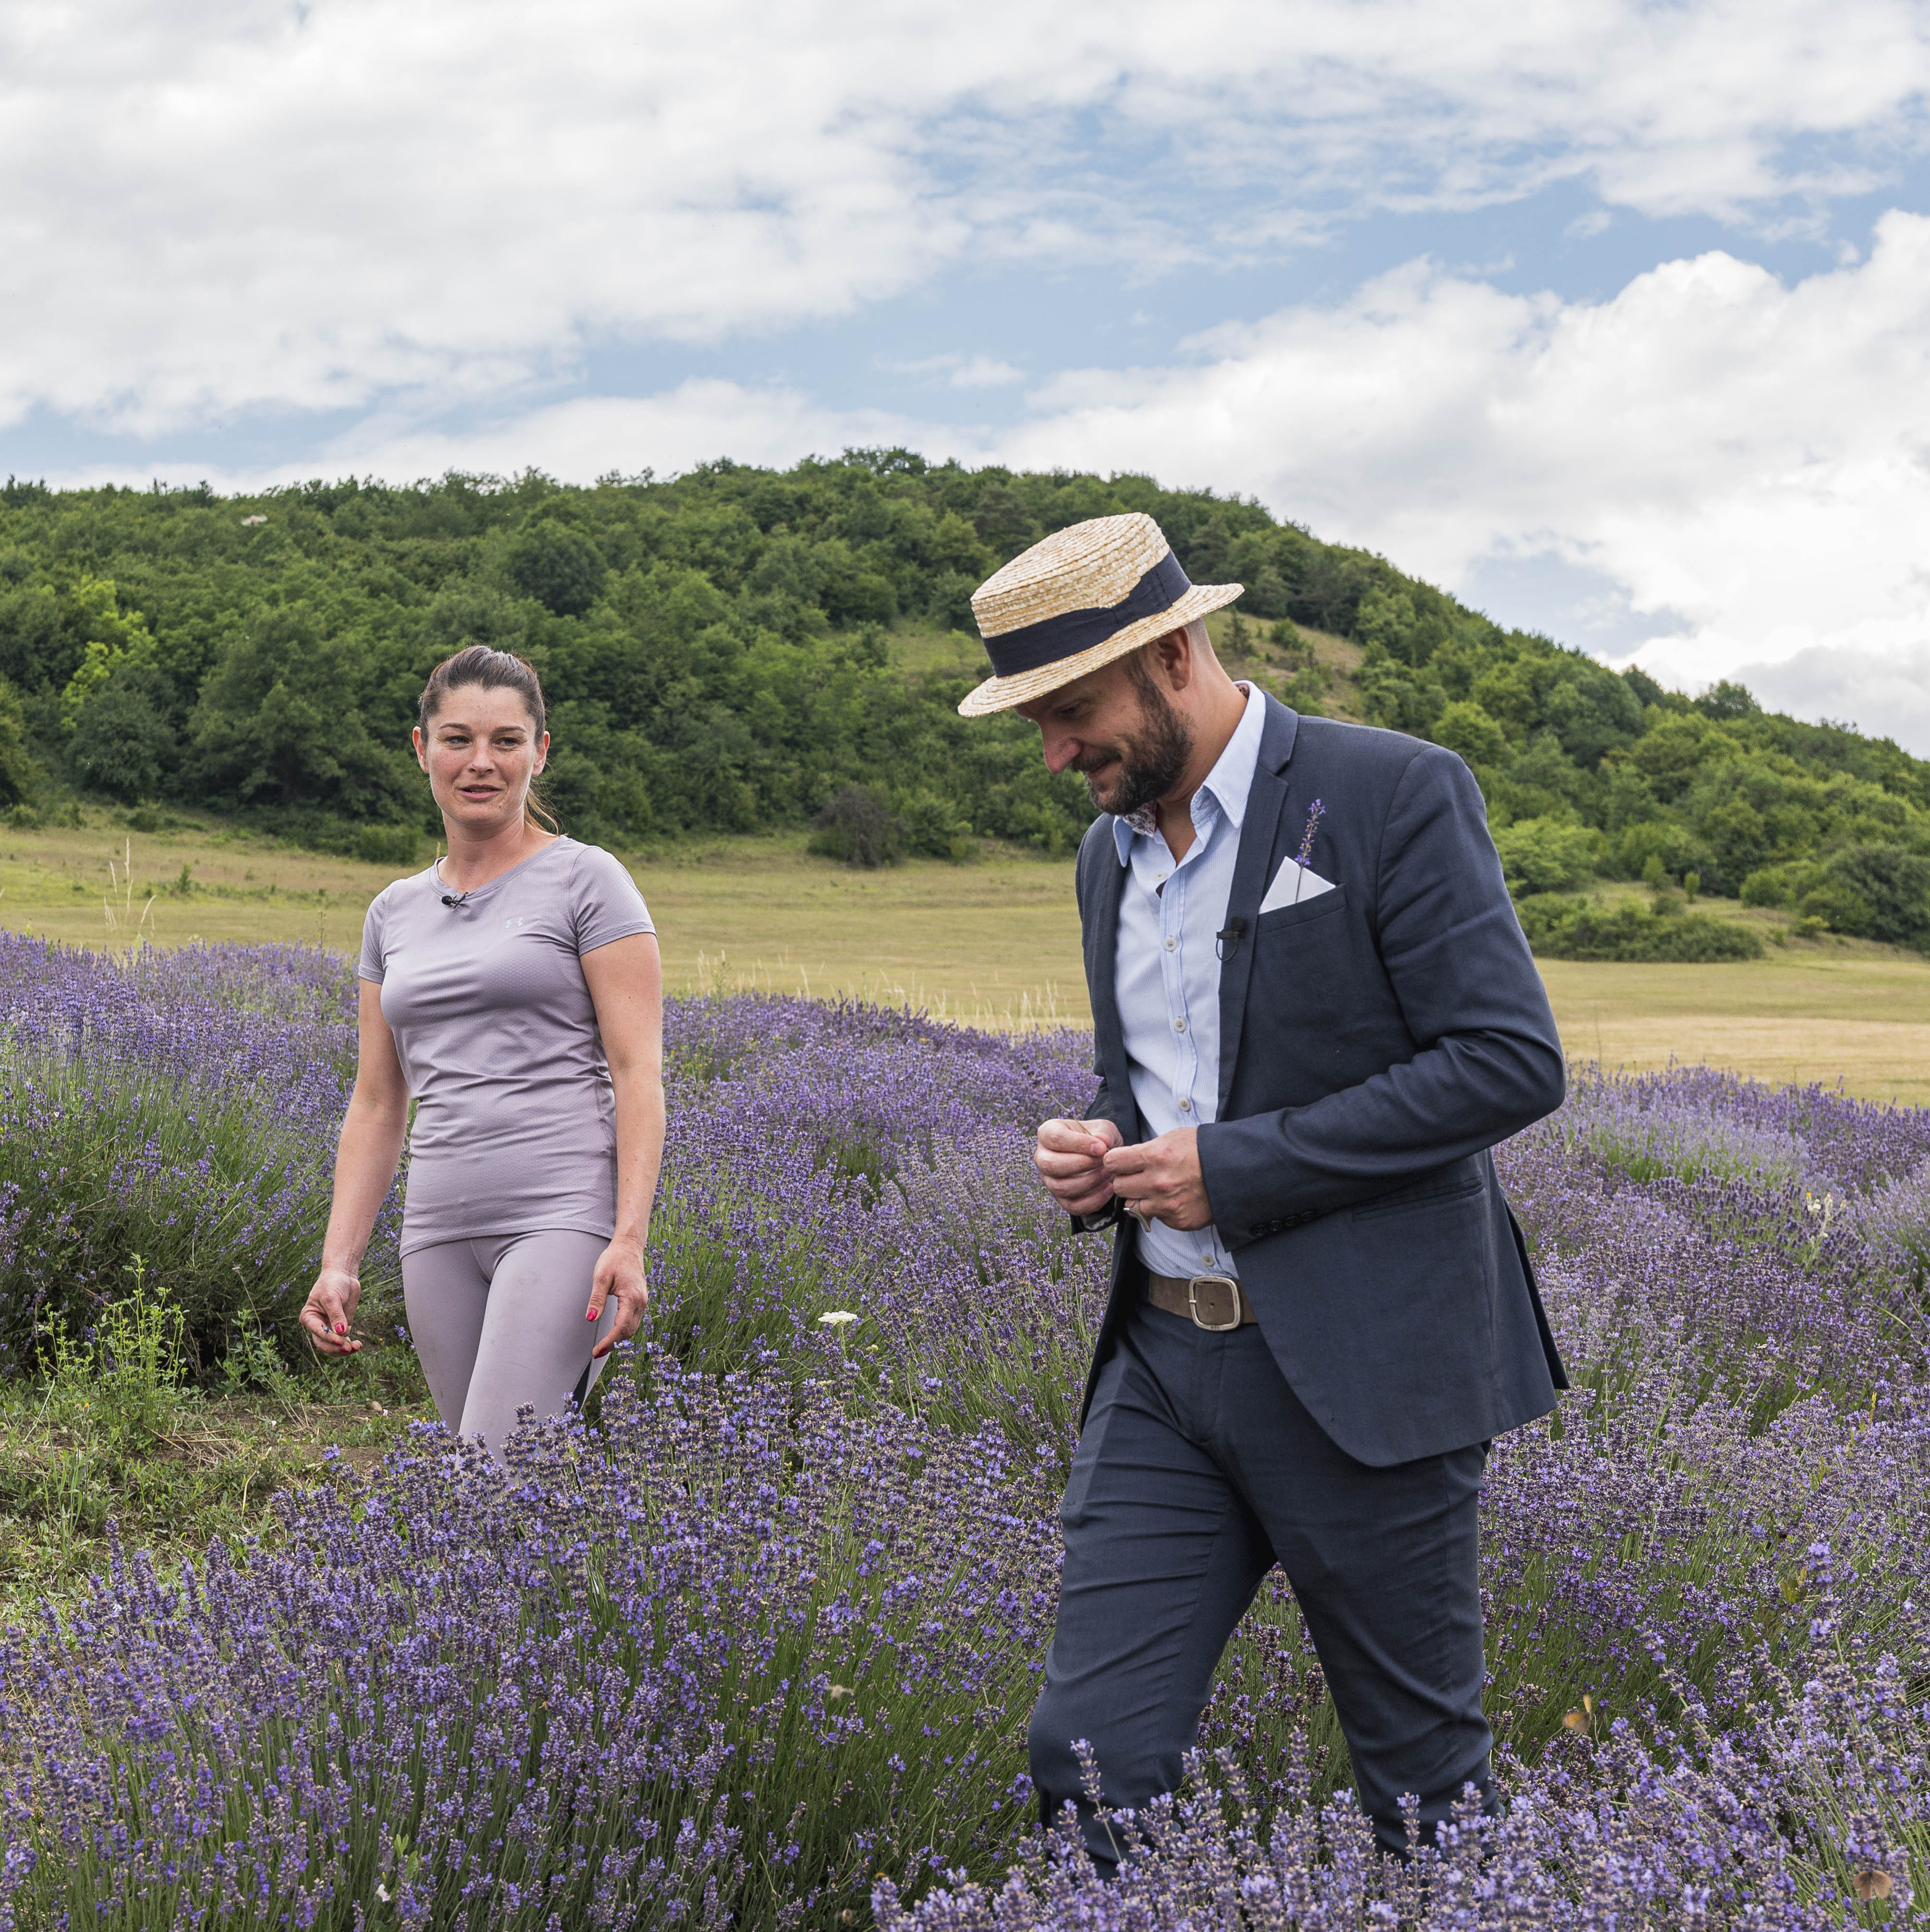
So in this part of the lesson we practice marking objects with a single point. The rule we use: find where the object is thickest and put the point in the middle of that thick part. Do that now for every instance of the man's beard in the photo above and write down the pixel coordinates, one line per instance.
(1152, 762)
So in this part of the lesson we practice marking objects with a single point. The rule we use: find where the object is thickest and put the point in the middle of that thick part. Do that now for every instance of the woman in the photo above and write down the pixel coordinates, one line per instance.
(513, 991)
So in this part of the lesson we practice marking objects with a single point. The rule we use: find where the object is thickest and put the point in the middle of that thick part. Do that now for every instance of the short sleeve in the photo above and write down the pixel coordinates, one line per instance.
(371, 966)
(605, 904)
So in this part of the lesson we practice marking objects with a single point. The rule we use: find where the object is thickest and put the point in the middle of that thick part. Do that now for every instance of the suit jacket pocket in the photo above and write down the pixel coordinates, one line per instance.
(1283, 919)
(1431, 1192)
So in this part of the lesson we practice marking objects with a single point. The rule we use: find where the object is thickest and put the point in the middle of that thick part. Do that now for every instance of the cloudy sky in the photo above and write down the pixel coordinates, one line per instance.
(1613, 318)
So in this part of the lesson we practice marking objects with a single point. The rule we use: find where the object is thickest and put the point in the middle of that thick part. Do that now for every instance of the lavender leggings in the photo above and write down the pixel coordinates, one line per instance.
(498, 1322)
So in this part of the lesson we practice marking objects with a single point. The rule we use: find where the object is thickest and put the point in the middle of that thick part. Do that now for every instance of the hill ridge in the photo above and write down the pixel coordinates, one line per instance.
(729, 648)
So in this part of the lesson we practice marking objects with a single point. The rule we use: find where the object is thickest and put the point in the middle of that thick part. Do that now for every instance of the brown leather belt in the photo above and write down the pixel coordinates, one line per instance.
(1210, 1301)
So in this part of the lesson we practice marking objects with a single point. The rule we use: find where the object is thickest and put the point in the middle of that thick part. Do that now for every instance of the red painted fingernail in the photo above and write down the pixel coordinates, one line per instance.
(590, 1315)
(341, 1327)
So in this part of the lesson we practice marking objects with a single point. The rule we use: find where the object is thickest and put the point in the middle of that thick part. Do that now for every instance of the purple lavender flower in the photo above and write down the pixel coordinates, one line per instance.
(1303, 858)
(770, 1626)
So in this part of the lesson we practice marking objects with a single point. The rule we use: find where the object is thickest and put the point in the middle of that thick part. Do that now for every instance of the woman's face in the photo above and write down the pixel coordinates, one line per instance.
(480, 751)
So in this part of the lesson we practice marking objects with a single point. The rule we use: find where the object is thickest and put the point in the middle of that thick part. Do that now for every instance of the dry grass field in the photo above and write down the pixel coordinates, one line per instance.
(994, 944)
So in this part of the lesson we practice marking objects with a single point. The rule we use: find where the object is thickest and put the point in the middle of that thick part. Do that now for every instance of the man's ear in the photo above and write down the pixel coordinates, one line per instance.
(1174, 655)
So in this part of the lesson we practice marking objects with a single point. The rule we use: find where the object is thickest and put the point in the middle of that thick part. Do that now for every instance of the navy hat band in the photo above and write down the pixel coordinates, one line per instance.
(1033, 645)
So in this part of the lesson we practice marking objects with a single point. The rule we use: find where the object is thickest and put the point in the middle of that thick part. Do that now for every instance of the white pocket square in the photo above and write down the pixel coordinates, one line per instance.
(1294, 884)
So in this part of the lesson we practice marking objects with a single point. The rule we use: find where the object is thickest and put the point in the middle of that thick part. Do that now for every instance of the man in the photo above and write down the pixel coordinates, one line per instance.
(1315, 1014)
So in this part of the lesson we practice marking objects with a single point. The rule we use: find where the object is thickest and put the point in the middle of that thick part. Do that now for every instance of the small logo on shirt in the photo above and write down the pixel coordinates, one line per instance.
(515, 924)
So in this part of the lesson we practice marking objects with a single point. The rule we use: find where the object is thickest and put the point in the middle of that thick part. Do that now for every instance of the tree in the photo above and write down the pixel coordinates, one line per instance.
(277, 724)
(19, 774)
(1880, 892)
(1544, 855)
(1726, 700)
(558, 566)
(123, 744)
(1465, 727)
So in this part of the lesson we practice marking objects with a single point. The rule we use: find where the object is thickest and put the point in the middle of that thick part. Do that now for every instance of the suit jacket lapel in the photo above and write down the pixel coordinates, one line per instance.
(1253, 871)
(1102, 972)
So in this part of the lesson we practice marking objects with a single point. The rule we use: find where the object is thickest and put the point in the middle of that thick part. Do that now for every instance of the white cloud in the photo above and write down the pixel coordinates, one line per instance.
(240, 205)
(1747, 463)
(591, 436)
(1886, 694)
(432, 213)
(963, 372)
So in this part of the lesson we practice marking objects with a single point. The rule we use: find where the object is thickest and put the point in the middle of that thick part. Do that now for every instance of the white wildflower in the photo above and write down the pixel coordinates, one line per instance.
(836, 1317)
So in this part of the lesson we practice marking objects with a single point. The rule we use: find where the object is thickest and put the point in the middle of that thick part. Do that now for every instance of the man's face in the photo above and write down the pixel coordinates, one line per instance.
(1118, 729)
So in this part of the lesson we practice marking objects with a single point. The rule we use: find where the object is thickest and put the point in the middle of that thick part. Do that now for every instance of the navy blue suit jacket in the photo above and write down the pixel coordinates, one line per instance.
(1375, 1042)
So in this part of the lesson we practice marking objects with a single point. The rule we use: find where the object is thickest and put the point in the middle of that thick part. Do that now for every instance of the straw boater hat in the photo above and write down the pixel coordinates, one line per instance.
(1078, 599)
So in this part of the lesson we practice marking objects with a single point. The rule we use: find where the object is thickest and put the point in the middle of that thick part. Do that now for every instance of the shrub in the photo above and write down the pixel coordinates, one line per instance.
(582, 1698)
(856, 825)
(768, 1632)
(1781, 885)
(1559, 930)
(1876, 892)
(123, 744)
(178, 1113)
(935, 828)
(388, 845)
(1673, 847)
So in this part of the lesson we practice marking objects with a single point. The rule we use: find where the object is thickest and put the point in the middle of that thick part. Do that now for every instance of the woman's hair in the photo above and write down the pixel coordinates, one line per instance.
(492, 670)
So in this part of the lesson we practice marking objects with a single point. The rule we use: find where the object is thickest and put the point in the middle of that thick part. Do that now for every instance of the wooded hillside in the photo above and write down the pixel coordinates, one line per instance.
(727, 650)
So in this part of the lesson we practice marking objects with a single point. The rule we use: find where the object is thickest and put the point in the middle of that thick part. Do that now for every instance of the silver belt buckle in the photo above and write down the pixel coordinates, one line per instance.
(1225, 1281)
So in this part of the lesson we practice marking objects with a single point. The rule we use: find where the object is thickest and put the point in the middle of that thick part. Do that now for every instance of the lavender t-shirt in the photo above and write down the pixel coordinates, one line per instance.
(515, 1120)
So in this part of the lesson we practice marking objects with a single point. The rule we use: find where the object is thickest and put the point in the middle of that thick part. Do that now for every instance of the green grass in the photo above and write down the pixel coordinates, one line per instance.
(187, 1468)
(994, 943)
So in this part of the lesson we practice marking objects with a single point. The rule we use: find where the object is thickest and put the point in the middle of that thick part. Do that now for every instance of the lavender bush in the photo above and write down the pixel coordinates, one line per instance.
(181, 1108)
(756, 1643)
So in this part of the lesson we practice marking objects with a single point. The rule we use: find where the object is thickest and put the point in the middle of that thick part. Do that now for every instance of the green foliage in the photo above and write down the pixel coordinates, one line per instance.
(271, 728)
(559, 567)
(935, 830)
(214, 1202)
(1889, 888)
(1465, 727)
(1547, 855)
(1568, 929)
(723, 652)
(18, 777)
(123, 744)
(857, 827)
(124, 1376)
(388, 844)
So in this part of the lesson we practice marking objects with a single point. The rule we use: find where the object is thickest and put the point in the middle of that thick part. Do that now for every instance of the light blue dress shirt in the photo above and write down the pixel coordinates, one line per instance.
(1171, 914)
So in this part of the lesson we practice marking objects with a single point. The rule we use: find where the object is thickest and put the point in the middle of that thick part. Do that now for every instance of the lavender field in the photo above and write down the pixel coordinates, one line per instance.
(754, 1645)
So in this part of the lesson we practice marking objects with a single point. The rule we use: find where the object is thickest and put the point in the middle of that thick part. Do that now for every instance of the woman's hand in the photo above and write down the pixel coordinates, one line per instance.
(329, 1313)
(620, 1271)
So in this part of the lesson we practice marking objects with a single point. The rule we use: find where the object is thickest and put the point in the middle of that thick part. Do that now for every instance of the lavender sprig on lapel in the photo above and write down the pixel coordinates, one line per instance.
(1305, 854)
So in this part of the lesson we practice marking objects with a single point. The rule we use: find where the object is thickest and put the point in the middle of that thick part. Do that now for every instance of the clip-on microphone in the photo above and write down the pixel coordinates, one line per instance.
(454, 899)
(1225, 943)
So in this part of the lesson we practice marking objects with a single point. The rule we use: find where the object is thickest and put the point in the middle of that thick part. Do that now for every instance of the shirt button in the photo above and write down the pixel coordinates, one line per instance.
(1172, 944)
(1186, 1106)
(1179, 1026)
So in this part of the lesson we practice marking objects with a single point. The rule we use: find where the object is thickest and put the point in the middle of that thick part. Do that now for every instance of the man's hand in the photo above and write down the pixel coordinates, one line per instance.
(329, 1313)
(1070, 1157)
(1161, 1180)
(620, 1271)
